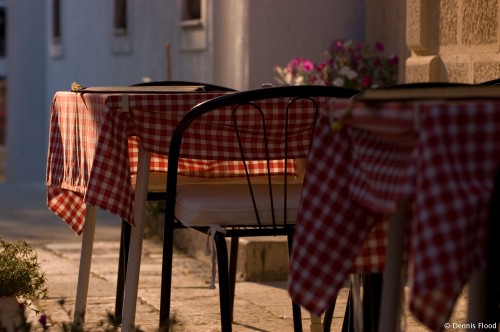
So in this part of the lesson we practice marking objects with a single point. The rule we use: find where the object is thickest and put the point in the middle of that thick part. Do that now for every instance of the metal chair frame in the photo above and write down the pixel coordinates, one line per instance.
(226, 285)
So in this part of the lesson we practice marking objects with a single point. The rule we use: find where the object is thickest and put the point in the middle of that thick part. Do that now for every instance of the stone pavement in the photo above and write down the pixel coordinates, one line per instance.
(258, 306)
(24, 215)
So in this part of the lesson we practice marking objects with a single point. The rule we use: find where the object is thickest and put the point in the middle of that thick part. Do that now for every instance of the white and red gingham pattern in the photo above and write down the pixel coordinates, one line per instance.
(88, 158)
(91, 161)
(444, 164)
(72, 140)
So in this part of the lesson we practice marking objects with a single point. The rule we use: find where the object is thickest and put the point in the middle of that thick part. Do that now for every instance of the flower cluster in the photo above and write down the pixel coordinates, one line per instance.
(350, 64)
(299, 71)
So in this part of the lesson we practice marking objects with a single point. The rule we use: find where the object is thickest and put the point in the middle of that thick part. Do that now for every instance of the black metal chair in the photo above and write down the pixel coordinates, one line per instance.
(264, 205)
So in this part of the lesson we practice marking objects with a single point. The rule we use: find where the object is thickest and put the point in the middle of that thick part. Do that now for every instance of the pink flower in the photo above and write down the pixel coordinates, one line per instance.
(366, 81)
(307, 65)
(294, 64)
(379, 46)
(43, 320)
(393, 60)
(337, 46)
(320, 66)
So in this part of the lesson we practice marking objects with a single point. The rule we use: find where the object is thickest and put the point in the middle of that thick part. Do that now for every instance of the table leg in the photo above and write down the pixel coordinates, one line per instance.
(492, 301)
(316, 325)
(135, 249)
(84, 272)
(477, 298)
(392, 288)
(357, 306)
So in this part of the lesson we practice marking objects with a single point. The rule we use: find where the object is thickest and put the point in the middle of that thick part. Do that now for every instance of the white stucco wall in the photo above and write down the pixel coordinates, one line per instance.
(244, 40)
(92, 55)
(27, 103)
(237, 45)
(252, 36)
(282, 30)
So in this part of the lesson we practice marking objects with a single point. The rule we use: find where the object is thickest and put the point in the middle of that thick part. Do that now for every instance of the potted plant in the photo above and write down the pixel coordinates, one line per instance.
(21, 282)
(349, 64)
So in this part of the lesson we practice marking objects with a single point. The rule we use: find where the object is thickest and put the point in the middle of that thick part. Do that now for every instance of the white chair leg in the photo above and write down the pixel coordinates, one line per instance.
(316, 325)
(82, 287)
(392, 288)
(135, 249)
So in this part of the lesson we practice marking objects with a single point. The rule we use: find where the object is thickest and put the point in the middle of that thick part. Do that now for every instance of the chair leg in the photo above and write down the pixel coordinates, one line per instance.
(166, 277)
(348, 324)
(328, 317)
(372, 295)
(122, 268)
(296, 313)
(233, 262)
(224, 287)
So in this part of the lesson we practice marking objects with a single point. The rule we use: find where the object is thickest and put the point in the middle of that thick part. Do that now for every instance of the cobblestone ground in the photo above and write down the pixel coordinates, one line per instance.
(258, 306)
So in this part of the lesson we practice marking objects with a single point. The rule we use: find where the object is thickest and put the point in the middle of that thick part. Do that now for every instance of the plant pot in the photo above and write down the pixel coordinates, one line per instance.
(11, 313)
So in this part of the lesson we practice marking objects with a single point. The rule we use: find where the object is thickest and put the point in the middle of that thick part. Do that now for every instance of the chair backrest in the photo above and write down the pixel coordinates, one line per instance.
(264, 130)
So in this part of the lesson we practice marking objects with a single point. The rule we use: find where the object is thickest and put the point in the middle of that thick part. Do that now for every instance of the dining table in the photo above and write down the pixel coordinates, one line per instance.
(419, 164)
(99, 138)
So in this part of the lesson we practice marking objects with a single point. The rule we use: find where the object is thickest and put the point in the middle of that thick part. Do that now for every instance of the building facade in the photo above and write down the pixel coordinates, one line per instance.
(233, 43)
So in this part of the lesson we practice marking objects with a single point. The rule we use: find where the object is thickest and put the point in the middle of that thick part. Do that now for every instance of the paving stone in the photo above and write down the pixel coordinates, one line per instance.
(258, 306)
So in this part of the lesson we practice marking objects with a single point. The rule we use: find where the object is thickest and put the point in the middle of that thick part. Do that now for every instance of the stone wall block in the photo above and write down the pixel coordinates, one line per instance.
(484, 67)
(457, 73)
(423, 69)
(479, 29)
(418, 25)
(448, 23)
(456, 68)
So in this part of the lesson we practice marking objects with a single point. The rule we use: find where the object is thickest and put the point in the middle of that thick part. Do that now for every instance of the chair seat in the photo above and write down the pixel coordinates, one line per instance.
(157, 181)
(199, 205)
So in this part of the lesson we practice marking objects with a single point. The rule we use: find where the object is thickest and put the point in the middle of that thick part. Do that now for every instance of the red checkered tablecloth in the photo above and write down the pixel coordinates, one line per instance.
(93, 145)
(441, 156)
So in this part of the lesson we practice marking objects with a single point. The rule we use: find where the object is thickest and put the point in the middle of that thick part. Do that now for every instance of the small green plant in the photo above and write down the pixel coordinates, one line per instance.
(20, 272)
(22, 277)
